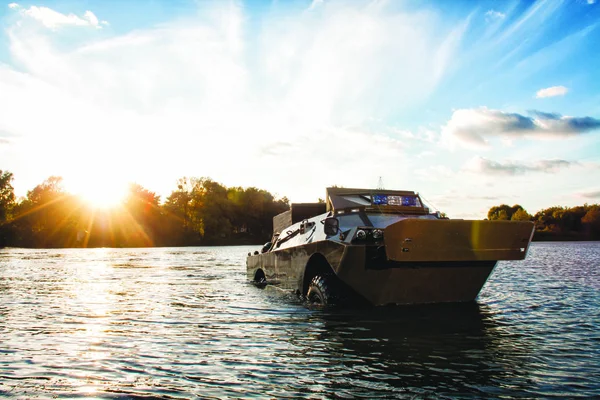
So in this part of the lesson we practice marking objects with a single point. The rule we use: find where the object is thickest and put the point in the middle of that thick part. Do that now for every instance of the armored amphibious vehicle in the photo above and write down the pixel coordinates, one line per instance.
(383, 247)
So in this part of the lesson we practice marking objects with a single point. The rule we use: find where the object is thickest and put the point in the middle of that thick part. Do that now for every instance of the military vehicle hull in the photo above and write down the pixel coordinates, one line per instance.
(390, 283)
(413, 260)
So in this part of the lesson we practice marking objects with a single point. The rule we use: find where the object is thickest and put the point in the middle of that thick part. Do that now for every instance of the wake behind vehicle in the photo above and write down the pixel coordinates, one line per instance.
(383, 247)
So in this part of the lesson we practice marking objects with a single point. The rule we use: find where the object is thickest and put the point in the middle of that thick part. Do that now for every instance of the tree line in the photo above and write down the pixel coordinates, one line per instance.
(555, 223)
(199, 211)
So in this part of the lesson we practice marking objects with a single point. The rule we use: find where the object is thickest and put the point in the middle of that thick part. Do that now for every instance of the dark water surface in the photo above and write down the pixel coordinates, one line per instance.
(183, 322)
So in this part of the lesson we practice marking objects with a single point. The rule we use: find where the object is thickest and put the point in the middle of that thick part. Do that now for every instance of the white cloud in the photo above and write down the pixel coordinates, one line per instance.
(551, 92)
(344, 64)
(493, 15)
(511, 168)
(91, 18)
(305, 102)
(53, 19)
(173, 100)
(591, 194)
(473, 127)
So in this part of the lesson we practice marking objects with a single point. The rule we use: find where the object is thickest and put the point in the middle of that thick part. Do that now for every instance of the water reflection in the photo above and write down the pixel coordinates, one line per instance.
(435, 350)
(181, 323)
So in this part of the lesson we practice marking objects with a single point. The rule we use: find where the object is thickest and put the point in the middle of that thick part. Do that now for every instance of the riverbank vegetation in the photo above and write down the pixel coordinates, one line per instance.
(199, 211)
(555, 223)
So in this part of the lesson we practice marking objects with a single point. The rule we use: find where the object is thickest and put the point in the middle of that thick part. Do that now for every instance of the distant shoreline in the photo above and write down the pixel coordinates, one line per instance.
(546, 238)
(540, 236)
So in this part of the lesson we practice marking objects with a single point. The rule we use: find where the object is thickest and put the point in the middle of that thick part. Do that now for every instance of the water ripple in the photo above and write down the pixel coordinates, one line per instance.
(183, 322)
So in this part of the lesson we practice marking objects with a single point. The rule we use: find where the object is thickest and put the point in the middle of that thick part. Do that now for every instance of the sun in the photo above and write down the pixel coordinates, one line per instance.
(103, 198)
(99, 193)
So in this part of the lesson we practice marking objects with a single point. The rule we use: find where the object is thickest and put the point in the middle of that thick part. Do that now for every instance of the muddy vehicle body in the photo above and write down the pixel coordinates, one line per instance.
(383, 247)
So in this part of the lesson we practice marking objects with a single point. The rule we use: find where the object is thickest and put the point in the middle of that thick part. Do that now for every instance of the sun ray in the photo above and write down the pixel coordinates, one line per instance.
(38, 207)
(65, 219)
(130, 221)
(88, 231)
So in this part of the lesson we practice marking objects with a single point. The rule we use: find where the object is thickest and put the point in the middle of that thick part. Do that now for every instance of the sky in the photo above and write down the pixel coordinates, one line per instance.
(471, 104)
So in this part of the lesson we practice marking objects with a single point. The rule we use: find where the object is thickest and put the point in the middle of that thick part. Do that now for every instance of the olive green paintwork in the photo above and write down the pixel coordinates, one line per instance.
(457, 240)
(398, 284)
(420, 259)
(286, 267)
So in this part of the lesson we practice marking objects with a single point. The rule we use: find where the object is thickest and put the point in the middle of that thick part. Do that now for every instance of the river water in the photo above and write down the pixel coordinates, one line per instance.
(184, 323)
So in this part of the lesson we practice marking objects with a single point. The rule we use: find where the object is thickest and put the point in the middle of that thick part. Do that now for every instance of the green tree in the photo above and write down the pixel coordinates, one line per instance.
(183, 221)
(501, 212)
(141, 217)
(591, 221)
(178, 203)
(253, 211)
(502, 215)
(7, 203)
(215, 212)
(199, 211)
(7, 196)
(504, 212)
(202, 211)
(48, 216)
(546, 219)
(521, 215)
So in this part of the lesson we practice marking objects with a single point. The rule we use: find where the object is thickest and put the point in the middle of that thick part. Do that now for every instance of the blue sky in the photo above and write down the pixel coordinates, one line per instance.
(472, 104)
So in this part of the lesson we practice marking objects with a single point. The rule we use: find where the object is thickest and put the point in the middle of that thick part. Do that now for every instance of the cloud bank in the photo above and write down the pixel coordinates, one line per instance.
(512, 168)
(551, 92)
(286, 96)
(591, 195)
(188, 90)
(53, 19)
(473, 127)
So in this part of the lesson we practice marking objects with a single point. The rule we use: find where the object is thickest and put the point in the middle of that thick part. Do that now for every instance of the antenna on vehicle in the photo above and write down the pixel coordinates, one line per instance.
(380, 184)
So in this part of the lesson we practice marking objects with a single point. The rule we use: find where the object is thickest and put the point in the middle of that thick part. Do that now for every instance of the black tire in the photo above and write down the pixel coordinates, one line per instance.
(259, 279)
(323, 291)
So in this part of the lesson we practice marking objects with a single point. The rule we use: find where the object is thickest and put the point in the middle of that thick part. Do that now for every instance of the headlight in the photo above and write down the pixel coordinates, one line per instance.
(360, 234)
(377, 234)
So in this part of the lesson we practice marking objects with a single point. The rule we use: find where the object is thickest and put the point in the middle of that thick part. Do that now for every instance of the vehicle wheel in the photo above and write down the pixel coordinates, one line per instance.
(322, 291)
(259, 279)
